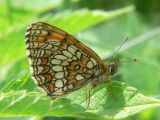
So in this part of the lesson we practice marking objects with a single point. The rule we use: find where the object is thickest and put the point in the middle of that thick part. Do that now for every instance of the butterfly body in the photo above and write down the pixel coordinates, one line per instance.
(60, 63)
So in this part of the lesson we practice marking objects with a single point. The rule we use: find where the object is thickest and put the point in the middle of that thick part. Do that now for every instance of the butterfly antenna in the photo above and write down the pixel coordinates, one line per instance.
(133, 60)
(119, 47)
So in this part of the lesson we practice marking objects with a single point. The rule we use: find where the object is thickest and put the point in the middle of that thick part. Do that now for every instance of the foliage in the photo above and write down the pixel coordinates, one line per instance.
(22, 95)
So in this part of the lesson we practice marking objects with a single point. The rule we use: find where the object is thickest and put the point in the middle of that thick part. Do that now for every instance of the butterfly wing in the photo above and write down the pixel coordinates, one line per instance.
(58, 62)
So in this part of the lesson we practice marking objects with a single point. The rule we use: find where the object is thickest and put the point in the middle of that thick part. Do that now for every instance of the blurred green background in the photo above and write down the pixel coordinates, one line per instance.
(140, 23)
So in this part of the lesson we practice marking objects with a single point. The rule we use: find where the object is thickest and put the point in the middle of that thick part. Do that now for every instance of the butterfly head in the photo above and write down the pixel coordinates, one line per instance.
(112, 68)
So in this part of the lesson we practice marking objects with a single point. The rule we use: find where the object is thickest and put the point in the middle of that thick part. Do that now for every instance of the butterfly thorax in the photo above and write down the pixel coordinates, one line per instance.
(106, 72)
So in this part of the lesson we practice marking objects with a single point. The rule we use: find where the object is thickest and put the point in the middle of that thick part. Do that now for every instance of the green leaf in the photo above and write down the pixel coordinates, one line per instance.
(21, 83)
(74, 22)
(123, 102)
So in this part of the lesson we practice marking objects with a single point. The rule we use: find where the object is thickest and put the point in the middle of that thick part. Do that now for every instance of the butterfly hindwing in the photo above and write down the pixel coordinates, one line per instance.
(59, 62)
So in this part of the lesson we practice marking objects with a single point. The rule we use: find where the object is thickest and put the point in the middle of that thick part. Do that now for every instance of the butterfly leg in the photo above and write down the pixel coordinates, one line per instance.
(109, 89)
(88, 96)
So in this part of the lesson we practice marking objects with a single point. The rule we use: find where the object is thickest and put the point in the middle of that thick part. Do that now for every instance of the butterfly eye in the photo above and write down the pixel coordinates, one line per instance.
(112, 68)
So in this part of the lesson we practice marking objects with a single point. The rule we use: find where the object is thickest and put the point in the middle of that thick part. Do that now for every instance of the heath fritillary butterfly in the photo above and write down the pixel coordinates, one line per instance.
(62, 64)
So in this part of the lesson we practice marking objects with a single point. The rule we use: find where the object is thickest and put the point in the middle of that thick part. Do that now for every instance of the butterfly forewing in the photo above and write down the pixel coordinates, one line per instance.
(58, 62)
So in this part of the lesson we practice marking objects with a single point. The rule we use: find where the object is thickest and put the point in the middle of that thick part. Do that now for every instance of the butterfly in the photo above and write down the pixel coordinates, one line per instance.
(60, 63)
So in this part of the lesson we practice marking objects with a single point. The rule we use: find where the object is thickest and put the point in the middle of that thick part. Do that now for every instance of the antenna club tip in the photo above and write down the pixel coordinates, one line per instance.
(135, 60)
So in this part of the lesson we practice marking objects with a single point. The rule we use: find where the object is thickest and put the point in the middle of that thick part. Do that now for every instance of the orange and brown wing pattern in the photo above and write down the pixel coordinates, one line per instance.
(58, 62)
